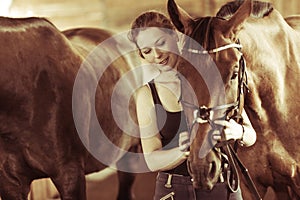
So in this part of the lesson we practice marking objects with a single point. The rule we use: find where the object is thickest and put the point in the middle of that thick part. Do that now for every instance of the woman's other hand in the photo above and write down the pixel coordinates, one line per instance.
(232, 130)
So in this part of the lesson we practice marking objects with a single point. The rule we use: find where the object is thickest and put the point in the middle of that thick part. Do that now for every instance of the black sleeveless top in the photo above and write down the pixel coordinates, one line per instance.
(170, 125)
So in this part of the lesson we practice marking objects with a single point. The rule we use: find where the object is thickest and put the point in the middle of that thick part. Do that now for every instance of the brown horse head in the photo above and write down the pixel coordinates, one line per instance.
(270, 45)
(219, 88)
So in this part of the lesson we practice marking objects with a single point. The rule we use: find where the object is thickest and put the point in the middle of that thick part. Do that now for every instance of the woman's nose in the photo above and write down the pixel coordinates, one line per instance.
(157, 53)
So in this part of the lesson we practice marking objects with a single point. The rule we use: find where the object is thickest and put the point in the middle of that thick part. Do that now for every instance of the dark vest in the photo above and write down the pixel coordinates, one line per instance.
(170, 125)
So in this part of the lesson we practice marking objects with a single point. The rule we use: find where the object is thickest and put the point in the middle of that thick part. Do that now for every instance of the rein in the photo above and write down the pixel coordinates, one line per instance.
(202, 115)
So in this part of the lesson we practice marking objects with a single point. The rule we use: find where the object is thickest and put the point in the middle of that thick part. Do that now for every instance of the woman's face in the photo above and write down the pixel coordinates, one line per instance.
(158, 47)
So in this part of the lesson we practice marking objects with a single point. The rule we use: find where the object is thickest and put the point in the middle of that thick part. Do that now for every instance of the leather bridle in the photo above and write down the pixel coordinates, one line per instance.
(202, 114)
(233, 110)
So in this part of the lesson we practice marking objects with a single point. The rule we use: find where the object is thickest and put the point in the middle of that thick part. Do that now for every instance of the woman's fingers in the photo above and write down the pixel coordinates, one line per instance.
(184, 141)
(232, 130)
(222, 123)
(216, 135)
(236, 130)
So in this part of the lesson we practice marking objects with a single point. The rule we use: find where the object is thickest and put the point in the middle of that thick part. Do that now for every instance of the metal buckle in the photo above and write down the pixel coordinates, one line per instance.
(169, 181)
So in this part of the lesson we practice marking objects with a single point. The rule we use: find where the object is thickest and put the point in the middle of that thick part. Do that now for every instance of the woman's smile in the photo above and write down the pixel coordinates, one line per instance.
(164, 61)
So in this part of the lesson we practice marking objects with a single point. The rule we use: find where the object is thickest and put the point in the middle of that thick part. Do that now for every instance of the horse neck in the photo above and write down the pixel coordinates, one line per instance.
(272, 55)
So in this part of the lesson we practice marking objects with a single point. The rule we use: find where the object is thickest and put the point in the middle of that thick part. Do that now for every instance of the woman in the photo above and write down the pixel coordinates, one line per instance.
(164, 137)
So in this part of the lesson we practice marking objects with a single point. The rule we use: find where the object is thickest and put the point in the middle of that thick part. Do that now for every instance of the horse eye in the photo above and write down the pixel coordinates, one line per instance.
(234, 75)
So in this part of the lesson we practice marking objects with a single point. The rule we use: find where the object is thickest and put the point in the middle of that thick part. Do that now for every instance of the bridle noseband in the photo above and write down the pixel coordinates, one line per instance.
(216, 50)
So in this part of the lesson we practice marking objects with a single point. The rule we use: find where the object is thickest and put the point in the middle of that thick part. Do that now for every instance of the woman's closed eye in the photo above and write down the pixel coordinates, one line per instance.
(161, 43)
(146, 51)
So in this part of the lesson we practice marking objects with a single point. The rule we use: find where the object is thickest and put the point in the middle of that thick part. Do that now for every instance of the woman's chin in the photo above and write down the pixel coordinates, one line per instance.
(165, 68)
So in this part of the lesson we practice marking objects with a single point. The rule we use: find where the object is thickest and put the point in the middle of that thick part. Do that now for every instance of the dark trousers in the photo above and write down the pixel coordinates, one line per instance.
(179, 187)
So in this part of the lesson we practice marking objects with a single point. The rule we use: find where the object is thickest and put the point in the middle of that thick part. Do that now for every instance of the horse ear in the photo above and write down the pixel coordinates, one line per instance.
(179, 17)
(236, 22)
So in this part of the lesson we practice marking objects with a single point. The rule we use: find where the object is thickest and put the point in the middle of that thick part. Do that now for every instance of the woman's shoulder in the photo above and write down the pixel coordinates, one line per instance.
(143, 94)
(143, 90)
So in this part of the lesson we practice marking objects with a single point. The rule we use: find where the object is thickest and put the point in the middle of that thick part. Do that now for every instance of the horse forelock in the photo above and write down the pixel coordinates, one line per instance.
(259, 9)
(202, 32)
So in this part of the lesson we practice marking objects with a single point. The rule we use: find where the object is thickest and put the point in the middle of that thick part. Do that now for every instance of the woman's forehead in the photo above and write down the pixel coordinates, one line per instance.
(150, 36)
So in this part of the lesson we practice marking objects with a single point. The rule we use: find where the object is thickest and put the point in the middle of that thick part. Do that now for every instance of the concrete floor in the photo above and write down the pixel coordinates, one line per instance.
(107, 190)
(105, 187)
(100, 186)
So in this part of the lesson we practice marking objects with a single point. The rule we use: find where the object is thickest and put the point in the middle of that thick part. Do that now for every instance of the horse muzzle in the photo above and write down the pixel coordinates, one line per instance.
(205, 172)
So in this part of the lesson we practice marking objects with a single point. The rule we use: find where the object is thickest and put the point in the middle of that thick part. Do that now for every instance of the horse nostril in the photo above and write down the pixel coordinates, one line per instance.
(213, 170)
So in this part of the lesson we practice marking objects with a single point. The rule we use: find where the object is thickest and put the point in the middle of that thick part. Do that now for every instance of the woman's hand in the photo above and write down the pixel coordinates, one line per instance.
(184, 141)
(232, 130)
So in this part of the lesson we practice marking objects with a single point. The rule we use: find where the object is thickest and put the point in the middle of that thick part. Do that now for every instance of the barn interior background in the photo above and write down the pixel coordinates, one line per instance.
(114, 15)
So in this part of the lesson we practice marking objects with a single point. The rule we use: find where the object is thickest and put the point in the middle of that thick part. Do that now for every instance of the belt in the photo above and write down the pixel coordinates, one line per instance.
(174, 179)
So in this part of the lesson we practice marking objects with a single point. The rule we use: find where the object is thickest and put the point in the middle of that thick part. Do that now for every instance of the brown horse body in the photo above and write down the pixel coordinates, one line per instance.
(271, 50)
(38, 134)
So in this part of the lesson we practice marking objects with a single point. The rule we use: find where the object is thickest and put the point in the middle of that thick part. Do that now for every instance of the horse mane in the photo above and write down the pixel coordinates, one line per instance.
(260, 9)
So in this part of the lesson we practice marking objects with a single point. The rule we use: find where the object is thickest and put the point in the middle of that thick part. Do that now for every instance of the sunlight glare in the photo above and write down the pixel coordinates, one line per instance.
(5, 7)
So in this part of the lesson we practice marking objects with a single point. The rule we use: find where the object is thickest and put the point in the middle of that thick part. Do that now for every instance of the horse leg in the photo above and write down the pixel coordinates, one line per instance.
(15, 176)
(293, 195)
(14, 192)
(296, 182)
(70, 182)
(126, 181)
(13, 189)
(247, 193)
(285, 170)
(281, 191)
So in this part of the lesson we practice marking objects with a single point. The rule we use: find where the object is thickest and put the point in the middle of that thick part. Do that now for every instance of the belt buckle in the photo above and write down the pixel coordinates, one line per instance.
(169, 181)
